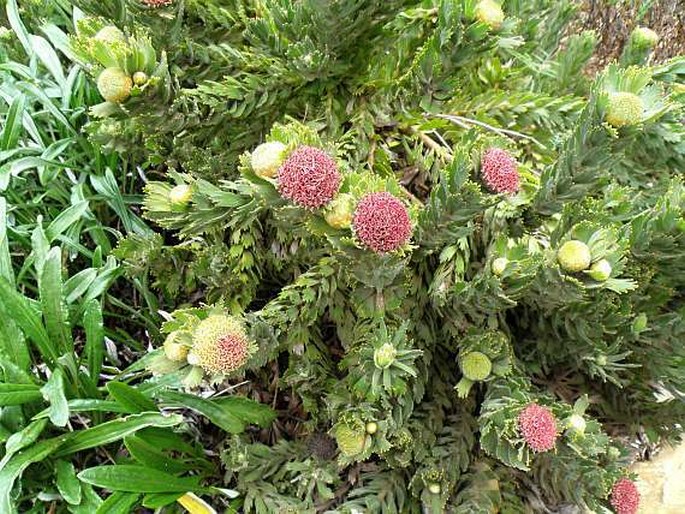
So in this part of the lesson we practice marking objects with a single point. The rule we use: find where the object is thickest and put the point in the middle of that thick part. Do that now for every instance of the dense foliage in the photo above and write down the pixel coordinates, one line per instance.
(390, 256)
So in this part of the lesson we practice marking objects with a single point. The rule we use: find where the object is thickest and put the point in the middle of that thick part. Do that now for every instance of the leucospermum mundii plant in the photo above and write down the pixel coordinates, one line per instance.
(124, 65)
(203, 344)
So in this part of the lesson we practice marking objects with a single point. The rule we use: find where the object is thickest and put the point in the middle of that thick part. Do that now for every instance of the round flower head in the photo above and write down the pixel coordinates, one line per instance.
(114, 85)
(624, 109)
(600, 270)
(574, 256)
(180, 195)
(475, 366)
(490, 13)
(381, 222)
(643, 37)
(140, 78)
(110, 34)
(538, 427)
(350, 441)
(309, 177)
(267, 158)
(625, 498)
(220, 345)
(499, 171)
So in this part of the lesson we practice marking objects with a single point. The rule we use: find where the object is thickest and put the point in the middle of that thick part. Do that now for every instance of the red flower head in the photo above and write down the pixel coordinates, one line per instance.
(309, 177)
(499, 171)
(625, 498)
(538, 427)
(381, 222)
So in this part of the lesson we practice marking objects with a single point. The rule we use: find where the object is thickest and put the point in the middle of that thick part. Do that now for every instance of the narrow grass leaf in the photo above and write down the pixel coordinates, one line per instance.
(119, 503)
(95, 338)
(130, 399)
(78, 284)
(19, 394)
(217, 414)
(67, 484)
(53, 392)
(137, 479)
(159, 500)
(13, 123)
(114, 430)
(6, 270)
(87, 405)
(149, 455)
(65, 219)
(25, 437)
(52, 301)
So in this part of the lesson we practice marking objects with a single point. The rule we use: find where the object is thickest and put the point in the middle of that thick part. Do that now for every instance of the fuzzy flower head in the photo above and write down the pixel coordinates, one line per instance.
(267, 158)
(350, 441)
(220, 345)
(110, 34)
(475, 366)
(114, 85)
(625, 498)
(574, 256)
(499, 171)
(624, 109)
(644, 37)
(538, 427)
(490, 13)
(309, 177)
(381, 222)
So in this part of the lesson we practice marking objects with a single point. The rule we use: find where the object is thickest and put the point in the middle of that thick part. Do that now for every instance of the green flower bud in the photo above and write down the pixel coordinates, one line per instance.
(574, 256)
(114, 85)
(499, 265)
(576, 424)
(643, 37)
(267, 158)
(384, 356)
(350, 442)
(640, 323)
(174, 347)
(180, 195)
(490, 13)
(601, 360)
(140, 78)
(624, 109)
(600, 270)
(475, 366)
(434, 488)
(371, 427)
(340, 211)
(110, 34)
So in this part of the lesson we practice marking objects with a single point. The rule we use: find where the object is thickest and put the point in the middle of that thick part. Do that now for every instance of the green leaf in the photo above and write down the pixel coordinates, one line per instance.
(52, 302)
(129, 398)
(16, 466)
(79, 284)
(20, 440)
(137, 479)
(65, 220)
(67, 483)
(90, 501)
(87, 405)
(119, 503)
(53, 392)
(17, 26)
(20, 310)
(114, 430)
(159, 500)
(217, 414)
(13, 124)
(95, 338)
(18, 394)
(6, 270)
(149, 455)
(247, 410)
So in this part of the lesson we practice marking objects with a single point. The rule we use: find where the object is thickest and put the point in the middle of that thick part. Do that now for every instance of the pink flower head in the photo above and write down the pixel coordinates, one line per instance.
(499, 171)
(538, 427)
(625, 498)
(381, 222)
(309, 177)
